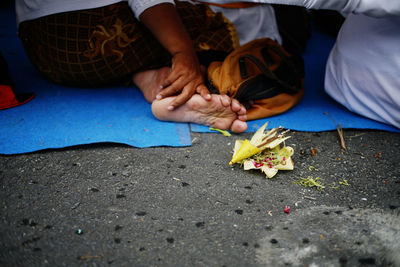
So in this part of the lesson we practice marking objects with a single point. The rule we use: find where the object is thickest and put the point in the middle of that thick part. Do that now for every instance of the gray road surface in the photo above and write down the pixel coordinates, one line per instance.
(114, 205)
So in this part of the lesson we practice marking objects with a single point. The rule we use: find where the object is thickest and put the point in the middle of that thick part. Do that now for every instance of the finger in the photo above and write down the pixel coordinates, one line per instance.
(171, 90)
(170, 79)
(180, 99)
(203, 91)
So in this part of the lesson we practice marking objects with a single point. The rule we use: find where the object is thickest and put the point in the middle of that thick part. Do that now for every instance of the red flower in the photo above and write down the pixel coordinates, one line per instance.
(287, 209)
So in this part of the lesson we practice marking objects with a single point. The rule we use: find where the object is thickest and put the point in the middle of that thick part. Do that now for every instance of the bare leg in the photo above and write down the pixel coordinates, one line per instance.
(220, 112)
(149, 82)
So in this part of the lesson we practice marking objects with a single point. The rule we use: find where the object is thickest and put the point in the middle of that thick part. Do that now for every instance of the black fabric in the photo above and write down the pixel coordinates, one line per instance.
(208, 56)
(290, 73)
(269, 83)
(259, 87)
(329, 21)
(294, 25)
(5, 78)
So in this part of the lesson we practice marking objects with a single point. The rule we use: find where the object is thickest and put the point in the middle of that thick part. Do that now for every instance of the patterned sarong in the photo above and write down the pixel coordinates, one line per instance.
(106, 45)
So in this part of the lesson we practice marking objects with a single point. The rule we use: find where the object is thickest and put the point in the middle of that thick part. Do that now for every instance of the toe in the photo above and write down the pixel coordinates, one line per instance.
(242, 117)
(238, 126)
(236, 107)
(242, 110)
(225, 100)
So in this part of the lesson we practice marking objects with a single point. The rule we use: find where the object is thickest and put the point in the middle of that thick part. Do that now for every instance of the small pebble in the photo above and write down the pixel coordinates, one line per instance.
(75, 205)
(240, 212)
(287, 209)
(200, 224)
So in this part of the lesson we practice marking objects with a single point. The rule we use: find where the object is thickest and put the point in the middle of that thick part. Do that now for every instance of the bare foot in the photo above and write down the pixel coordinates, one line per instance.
(149, 82)
(220, 112)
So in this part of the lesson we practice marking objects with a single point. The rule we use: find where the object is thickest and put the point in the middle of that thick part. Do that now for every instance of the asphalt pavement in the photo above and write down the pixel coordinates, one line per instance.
(115, 205)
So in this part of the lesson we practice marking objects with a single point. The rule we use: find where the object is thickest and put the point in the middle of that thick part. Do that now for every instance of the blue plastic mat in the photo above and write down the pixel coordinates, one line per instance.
(309, 114)
(63, 116)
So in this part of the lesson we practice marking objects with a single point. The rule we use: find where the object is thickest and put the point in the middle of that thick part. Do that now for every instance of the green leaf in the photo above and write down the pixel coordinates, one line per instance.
(225, 133)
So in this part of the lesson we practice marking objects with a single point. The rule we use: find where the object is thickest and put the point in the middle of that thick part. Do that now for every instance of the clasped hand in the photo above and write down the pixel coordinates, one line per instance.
(184, 80)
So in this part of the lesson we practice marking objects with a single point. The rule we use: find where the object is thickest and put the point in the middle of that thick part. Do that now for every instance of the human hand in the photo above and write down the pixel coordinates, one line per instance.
(185, 79)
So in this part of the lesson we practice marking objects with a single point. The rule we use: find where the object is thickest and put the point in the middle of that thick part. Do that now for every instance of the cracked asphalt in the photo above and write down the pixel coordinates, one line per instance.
(115, 205)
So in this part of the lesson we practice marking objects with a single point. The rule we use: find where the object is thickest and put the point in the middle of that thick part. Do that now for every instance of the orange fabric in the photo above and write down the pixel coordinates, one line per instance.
(232, 5)
(264, 108)
(226, 75)
(226, 78)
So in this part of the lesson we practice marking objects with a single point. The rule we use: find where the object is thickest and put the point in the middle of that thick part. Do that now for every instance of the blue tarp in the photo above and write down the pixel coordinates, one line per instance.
(61, 116)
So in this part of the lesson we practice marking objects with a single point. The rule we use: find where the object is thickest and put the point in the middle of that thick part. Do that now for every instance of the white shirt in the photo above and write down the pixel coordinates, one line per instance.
(32, 9)
(252, 22)
(372, 8)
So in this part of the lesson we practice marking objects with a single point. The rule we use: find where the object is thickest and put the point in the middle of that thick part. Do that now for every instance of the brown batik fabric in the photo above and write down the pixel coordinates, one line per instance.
(106, 45)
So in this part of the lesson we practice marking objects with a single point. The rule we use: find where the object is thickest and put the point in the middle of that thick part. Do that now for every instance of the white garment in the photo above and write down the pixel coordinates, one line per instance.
(252, 22)
(374, 8)
(33, 9)
(263, 18)
(363, 69)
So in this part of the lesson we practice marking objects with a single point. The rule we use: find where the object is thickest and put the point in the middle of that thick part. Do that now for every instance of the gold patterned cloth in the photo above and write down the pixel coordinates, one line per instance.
(106, 45)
